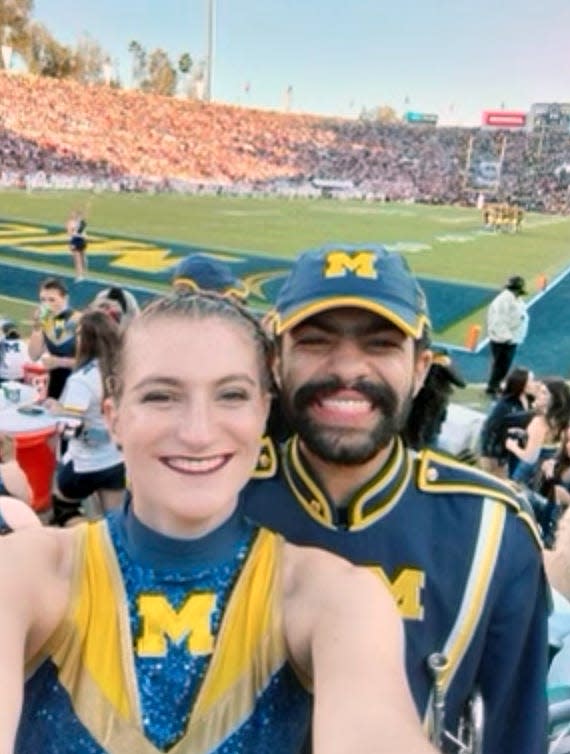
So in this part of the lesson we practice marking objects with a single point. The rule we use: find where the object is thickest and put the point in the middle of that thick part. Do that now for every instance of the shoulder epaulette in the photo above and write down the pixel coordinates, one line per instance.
(266, 467)
(441, 473)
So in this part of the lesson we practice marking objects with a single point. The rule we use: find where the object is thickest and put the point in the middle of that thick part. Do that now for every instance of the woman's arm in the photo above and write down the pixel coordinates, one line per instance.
(343, 628)
(15, 481)
(32, 602)
(536, 432)
(562, 495)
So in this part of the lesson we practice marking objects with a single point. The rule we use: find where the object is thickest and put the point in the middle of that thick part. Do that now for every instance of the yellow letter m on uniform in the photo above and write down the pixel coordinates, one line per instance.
(191, 622)
(360, 263)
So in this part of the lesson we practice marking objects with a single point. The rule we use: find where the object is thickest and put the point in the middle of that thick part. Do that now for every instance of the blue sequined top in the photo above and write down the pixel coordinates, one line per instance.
(169, 645)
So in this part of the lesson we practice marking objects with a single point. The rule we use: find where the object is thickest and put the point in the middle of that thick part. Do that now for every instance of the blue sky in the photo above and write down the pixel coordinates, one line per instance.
(450, 57)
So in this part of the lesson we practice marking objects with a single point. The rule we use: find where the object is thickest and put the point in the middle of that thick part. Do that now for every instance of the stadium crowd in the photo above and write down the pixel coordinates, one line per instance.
(57, 133)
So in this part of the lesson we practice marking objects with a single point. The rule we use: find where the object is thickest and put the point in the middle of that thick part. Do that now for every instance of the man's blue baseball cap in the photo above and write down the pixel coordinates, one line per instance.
(365, 276)
(202, 273)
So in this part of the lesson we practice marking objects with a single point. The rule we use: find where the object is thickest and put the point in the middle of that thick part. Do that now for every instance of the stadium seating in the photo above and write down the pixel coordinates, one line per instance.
(64, 134)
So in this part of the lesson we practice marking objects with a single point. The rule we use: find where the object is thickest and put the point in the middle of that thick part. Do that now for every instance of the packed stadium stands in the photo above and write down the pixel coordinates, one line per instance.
(64, 134)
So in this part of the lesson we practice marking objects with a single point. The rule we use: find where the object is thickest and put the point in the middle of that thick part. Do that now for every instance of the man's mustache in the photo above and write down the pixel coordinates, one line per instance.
(380, 395)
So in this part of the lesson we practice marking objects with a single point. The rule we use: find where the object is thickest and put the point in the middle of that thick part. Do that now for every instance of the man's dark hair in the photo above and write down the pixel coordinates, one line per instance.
(54, 284)
(429, 409)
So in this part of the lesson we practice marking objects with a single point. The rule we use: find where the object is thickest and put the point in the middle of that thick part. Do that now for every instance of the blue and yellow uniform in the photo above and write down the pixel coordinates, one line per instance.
(59, 336)
(463, 561)
(167, 645)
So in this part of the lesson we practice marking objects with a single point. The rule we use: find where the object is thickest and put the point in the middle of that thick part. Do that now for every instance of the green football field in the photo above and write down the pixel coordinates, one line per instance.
(444, 243)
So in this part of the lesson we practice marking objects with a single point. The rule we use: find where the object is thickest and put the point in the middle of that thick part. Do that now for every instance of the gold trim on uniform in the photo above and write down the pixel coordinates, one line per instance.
(391, 481)
(316, 505)
(266, 467)
(431, 478)
(373, 500)
(475, 593)
(96, 667)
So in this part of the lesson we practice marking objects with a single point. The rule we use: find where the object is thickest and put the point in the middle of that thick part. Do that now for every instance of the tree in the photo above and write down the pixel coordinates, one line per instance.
(161, 73)
(139, 64)
(381, 113)
(90, 60)
(196, 81)
(185, 63)
(45, 56)
(14, 22)
(154, 72)
(185, 67)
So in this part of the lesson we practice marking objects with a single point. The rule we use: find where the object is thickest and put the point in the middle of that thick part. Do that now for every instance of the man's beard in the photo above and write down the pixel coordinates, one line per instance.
(343, 445)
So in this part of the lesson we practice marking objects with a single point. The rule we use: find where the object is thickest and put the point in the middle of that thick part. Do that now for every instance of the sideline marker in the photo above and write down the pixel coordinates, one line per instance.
(472, 336)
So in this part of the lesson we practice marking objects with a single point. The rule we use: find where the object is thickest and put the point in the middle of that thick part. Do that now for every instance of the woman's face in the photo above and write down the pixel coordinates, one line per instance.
(190, 419)
(543, 398)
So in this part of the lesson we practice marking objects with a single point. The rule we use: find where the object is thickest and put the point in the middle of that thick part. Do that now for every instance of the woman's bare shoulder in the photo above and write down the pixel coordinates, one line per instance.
(17, 514)
(35, 553)
(314, 572)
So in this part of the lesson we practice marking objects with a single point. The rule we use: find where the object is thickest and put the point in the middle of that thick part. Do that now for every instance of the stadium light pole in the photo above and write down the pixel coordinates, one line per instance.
(210, 51)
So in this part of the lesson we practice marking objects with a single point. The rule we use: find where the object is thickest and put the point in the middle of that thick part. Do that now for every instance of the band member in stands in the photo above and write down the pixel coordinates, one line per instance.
(460, 554)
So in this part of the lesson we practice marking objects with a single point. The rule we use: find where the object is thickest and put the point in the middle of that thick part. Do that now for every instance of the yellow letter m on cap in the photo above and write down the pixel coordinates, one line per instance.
(361, 263)
(191, 623)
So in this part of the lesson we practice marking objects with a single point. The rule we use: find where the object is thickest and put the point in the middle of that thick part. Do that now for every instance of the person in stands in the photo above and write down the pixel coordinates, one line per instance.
(53, 334)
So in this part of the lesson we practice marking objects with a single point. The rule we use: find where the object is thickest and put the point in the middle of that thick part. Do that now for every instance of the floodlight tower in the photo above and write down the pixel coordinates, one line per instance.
(210, 51)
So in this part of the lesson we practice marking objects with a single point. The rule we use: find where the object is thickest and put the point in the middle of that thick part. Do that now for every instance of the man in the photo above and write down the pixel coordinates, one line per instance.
(507, 325)
(53, 334)
(462, 560)
(199, 272)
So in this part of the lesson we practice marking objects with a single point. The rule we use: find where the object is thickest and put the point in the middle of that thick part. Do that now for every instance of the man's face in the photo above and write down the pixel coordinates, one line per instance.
(53, 299)
(348, 378)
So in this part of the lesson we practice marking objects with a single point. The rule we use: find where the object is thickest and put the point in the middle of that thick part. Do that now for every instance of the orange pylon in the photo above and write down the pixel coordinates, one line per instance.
(472, 336)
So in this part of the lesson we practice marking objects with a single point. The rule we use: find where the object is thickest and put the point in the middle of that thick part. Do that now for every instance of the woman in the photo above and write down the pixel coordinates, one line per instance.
(551, 417)
(118, 302)
(556, 473)
(208, 621)
(92, 462)
(554, 490)
(512, 410)
(76, 227)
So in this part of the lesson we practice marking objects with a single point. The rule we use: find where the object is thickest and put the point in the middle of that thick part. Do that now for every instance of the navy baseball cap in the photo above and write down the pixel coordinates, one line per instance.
(202, 273)
(363, 276)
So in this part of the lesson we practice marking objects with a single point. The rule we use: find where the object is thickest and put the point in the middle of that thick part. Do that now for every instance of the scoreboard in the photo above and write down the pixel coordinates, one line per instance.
(504, 119)
(420, 118)
(550, 115)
